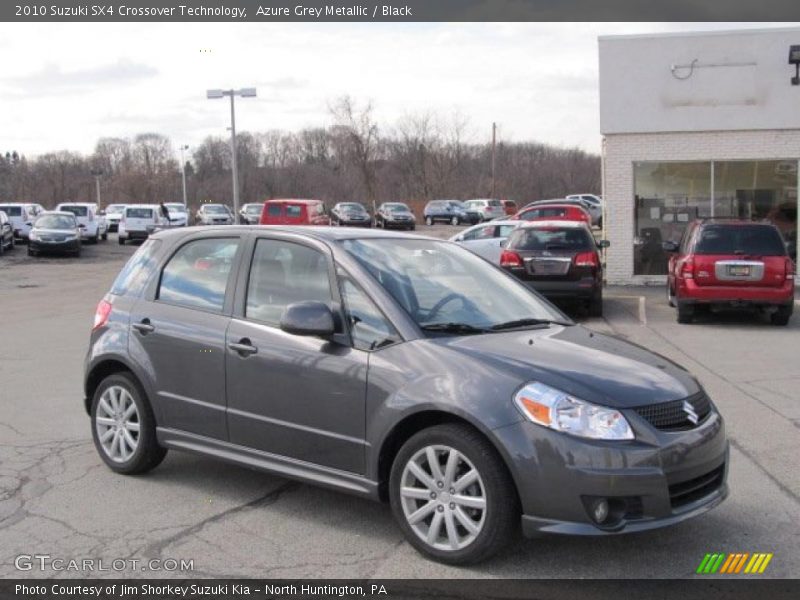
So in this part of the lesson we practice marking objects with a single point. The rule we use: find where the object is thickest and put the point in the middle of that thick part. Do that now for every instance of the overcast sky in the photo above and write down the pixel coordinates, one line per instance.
(63, 86)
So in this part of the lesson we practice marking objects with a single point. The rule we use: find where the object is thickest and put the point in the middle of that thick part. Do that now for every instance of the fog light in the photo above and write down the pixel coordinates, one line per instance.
(600, 510)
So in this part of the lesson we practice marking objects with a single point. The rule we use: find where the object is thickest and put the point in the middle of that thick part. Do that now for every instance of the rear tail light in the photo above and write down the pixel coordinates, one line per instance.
(587, 259)
(687, 269)
(789, 268)
(510, 259)
(101, 314)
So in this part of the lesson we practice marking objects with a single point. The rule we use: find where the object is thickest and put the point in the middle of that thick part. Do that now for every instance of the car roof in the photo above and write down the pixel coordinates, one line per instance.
(295, 200)
(61, 213)
(551, 204)
(555, 223)
(325, 234)
(87, 204)
(141, 206)
(17, 204)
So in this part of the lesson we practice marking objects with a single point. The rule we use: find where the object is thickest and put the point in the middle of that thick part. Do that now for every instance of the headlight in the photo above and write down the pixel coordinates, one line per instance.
(558, 410)
(33, 236)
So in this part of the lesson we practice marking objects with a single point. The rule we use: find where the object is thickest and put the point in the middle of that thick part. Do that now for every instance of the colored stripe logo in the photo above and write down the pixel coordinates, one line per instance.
(734, 564)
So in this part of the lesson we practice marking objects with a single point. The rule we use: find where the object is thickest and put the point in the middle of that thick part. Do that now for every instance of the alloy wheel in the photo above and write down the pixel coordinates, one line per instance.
(443, 498)
(118, 424)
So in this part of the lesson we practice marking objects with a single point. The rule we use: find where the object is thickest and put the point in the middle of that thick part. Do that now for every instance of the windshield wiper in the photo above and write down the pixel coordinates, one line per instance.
(519, 323)
(464, 328)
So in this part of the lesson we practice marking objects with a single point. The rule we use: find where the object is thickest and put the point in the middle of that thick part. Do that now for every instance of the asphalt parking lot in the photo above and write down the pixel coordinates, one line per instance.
(58, 498)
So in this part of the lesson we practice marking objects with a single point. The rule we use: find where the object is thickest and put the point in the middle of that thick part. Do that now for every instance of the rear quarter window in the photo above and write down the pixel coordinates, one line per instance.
(137, 271)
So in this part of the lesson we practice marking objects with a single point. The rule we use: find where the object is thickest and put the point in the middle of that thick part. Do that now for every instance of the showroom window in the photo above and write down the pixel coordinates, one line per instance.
(669, 195)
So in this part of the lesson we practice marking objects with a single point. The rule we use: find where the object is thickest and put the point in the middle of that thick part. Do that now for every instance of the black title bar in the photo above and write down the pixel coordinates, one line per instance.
(398, 11)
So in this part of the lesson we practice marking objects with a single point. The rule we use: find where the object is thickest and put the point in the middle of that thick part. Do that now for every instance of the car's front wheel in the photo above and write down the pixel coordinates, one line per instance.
(454, 221)
(123, 426)
(452, 495)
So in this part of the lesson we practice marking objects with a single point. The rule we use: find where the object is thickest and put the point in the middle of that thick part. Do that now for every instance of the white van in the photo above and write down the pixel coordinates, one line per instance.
(93, 226)
(21, 215)
(139, 221)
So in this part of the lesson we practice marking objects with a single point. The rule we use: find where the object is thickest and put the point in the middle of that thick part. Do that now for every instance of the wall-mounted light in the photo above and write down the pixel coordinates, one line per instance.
(794, 59)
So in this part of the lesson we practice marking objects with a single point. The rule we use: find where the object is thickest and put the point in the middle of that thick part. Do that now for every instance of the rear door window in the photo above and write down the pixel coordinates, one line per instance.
(78, 211)
(274, 210)
(197, 274)
(294, 211)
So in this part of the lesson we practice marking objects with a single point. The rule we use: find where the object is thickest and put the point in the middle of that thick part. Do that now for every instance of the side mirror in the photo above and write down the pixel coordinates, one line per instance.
(30, 224)
(603, 244)
(503, 243)
(670, 247)
(308, 318)
(81, 225)
(459, 238)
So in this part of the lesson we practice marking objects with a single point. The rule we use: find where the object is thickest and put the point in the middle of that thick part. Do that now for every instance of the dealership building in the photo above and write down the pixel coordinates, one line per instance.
(695, 125)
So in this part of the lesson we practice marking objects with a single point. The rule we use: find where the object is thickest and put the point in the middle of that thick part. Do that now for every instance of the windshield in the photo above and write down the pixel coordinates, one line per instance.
(175, 207)
(253, 209)
(55, 222)
(397, 208)
(12, 211)
(216, 209)
(551, 238)
(740, 239)
(441, 283)
(115, 208)
(351, 207)
(78, 211)
(139, 213)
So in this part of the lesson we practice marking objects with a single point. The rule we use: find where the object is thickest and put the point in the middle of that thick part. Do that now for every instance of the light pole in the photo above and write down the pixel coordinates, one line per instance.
(183, 172)
(97, 173)
(244, 93)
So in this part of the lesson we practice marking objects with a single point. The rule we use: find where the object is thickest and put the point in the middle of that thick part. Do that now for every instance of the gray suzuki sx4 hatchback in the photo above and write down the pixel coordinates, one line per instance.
(399, 368)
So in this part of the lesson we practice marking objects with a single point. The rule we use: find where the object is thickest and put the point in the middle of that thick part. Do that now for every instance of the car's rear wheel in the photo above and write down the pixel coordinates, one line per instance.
(123, 426)
(121, 241)
(452, 495)
(781, 316)
(596, 304)
(685, 312)
(105, 236)
(454, 221)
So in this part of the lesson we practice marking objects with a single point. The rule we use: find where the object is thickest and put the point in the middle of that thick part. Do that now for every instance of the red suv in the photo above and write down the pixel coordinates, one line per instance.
(549, 212)
(294, 212)
(727, 263)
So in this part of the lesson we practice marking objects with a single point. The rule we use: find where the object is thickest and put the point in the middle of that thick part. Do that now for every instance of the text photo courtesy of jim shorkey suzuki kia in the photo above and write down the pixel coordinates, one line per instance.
(338, 299)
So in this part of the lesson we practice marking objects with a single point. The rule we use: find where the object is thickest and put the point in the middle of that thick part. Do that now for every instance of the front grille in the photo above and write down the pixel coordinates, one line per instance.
(671, 416)
(686, 492)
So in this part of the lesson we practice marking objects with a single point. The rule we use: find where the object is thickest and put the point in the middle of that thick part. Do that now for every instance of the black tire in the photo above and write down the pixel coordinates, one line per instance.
(148, 453)
(454, 221)
(31, 252)
(781, 316)
(412, 228)
(105, 236)
(77, 253)
(685, 312)
(595, 307)
(95, 239)
(502, 507)
(121, 241)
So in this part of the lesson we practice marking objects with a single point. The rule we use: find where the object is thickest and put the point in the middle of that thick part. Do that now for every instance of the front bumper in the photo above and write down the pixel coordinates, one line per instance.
(55, 247)
(658, 479)
(691, 293)
(399, 224)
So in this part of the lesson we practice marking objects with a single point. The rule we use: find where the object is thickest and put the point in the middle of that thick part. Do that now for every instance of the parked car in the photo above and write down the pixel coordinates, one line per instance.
(486, 210)
(250, 213)
(510, 207)
(444, 211)
(93, 226)
(21, 215)
(177, 214)
(213, 214)
(114, 215)
(6, 233)
(395, 215)
(548, 211)
(350, 213)
(139, 221)
(55, 232)
(366, 362)
(730, 264)
(591, 204)
(487, 239)
(294, 212)
(558, 259)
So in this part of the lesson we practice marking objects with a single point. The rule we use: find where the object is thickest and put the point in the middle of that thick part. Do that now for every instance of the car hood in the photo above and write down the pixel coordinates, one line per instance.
(595, 367)
(400, 213)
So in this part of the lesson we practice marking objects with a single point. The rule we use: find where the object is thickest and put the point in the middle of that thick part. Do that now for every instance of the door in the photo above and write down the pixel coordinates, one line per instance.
(297, 397)
(178, 335)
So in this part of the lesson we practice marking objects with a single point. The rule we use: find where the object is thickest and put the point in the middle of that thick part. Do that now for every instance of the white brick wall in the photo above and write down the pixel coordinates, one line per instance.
(622, 150)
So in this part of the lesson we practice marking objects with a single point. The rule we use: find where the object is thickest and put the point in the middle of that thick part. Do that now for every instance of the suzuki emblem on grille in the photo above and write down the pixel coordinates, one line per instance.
(690, 414)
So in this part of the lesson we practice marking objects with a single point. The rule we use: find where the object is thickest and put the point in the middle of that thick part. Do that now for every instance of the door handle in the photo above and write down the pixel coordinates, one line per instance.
(244, 347)
(144, 327)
